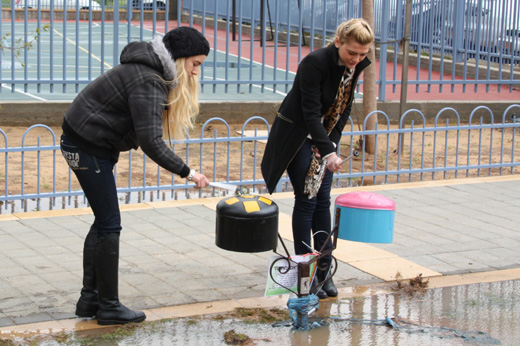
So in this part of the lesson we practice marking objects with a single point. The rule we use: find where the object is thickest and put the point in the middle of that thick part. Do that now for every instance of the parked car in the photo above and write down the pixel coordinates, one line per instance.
(509, 46)
(489, 27)
(329, 13)
(420, 27)
(59, 4)
(147, 5)
(485, 26)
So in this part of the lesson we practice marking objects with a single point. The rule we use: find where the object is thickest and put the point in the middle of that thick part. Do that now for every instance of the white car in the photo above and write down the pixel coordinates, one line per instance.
(148, 5)
(59, 4)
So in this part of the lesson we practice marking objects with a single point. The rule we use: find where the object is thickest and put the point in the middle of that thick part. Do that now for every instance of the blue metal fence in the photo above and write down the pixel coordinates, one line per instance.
(35, 177)
(469, 43)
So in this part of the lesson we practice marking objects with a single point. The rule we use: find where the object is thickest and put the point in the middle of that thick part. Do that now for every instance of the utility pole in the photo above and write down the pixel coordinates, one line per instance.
(406, 53)
(404, 75)
(172, 9)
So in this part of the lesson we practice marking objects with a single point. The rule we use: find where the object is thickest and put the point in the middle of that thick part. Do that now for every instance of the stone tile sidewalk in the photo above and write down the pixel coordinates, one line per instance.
(169, 256)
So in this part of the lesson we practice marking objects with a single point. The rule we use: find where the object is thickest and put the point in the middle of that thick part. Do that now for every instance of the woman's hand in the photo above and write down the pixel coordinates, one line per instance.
(333, 162)
(316, 152)
(200, 180)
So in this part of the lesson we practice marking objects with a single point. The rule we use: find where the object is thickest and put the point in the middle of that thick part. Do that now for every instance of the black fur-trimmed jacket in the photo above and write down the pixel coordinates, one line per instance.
(122, 109)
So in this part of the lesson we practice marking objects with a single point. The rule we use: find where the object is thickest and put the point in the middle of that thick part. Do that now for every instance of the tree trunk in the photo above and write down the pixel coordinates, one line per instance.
(369, 83)
(172, 9)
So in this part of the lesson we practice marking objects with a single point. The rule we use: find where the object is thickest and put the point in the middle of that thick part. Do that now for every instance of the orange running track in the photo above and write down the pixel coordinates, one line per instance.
(446, 92)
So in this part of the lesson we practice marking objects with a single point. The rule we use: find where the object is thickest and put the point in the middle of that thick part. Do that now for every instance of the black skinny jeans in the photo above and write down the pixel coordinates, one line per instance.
(310, 214)
(96, 177)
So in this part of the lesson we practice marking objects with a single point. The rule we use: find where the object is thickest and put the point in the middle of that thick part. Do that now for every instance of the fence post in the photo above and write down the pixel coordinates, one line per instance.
(458, 30)
(115, 29)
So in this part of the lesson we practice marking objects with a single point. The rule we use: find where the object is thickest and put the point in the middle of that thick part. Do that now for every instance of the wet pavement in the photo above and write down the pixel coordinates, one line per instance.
(476, 314)
(460, 232)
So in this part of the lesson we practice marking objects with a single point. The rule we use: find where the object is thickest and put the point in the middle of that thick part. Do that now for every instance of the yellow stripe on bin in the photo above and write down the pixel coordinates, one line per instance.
(232, 201)
(265, 200)
(251, 206)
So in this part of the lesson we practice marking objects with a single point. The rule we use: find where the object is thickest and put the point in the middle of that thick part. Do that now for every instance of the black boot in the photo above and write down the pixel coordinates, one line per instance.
(111, 311)
(328, 286)
(319, 292)
(88, 303)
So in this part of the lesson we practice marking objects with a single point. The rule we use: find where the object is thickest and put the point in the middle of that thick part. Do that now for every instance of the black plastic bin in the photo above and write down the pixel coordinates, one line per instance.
(247, 223)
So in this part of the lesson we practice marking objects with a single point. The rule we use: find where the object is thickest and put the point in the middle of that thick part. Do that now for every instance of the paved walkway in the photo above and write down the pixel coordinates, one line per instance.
(170, 265)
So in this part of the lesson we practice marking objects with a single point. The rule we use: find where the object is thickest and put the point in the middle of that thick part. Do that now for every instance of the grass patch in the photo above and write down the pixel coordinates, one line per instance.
(257, 315)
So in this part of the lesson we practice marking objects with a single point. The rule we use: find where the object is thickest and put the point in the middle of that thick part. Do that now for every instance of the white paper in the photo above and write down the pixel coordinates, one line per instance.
(283, 282)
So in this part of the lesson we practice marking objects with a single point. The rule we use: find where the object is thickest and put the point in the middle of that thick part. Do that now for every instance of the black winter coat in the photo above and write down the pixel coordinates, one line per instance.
(313, 92)
(122, 109)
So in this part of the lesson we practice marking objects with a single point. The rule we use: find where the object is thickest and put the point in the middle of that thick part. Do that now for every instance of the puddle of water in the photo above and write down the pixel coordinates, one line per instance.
(479, 314)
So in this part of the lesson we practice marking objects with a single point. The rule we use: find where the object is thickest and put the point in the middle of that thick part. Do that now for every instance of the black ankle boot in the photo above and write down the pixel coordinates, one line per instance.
(319, 292)
(88, 303)
(111, 311)
(328, 286)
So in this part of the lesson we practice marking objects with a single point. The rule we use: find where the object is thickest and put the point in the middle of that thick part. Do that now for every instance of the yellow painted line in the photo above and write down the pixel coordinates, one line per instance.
(183, 202)
(194, 309)
(211, 202)
(433, 282)
(83, 49)
(422, 184)
(52, 213)
(135, 206)
(8, 217)
(156, 314)
(280, 195)
(475, 278)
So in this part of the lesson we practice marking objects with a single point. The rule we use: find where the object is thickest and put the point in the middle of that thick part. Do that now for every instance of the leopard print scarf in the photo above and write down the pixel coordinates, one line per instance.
(318, 167)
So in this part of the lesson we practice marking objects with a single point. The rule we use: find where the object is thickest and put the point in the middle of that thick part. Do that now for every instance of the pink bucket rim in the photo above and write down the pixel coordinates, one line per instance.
(365, 200)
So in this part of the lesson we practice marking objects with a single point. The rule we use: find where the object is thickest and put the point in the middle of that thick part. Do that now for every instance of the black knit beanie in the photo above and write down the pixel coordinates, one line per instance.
(185, 41)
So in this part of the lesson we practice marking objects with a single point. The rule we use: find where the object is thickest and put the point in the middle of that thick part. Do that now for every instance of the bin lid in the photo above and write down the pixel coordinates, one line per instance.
(250, 206)
(365, 200)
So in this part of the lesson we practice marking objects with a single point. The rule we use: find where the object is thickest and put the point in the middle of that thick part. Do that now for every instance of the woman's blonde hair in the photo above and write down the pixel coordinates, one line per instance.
(357, 29)
(183, 104)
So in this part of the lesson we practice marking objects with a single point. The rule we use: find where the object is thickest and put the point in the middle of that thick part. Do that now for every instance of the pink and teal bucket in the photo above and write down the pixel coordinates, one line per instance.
(365, 217)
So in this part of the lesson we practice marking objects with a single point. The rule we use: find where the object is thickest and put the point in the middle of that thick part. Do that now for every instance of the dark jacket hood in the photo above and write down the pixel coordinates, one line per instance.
(123, 108)
(143, 53)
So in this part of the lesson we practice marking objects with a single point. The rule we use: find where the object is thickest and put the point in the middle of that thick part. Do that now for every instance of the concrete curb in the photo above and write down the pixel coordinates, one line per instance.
(27, 113)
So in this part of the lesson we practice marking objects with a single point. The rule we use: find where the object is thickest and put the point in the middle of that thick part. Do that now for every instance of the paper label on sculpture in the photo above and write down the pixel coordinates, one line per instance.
(283, 278)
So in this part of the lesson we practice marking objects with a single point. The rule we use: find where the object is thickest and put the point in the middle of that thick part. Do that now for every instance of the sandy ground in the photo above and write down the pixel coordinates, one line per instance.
(223, 162)
(53, 167)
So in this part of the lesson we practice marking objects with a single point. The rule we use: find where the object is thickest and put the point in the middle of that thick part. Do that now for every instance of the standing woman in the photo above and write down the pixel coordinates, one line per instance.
(152, 96)
(308, 128)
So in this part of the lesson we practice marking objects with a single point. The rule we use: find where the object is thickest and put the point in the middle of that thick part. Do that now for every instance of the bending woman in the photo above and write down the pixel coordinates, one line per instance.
(151, 96)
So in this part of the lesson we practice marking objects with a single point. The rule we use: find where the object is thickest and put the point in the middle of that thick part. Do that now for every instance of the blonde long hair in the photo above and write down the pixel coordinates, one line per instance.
(183, 104)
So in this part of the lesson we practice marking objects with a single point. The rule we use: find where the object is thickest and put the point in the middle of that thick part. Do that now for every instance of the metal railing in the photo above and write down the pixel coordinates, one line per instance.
(35, 177)
(147, 5)
(473, 43)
